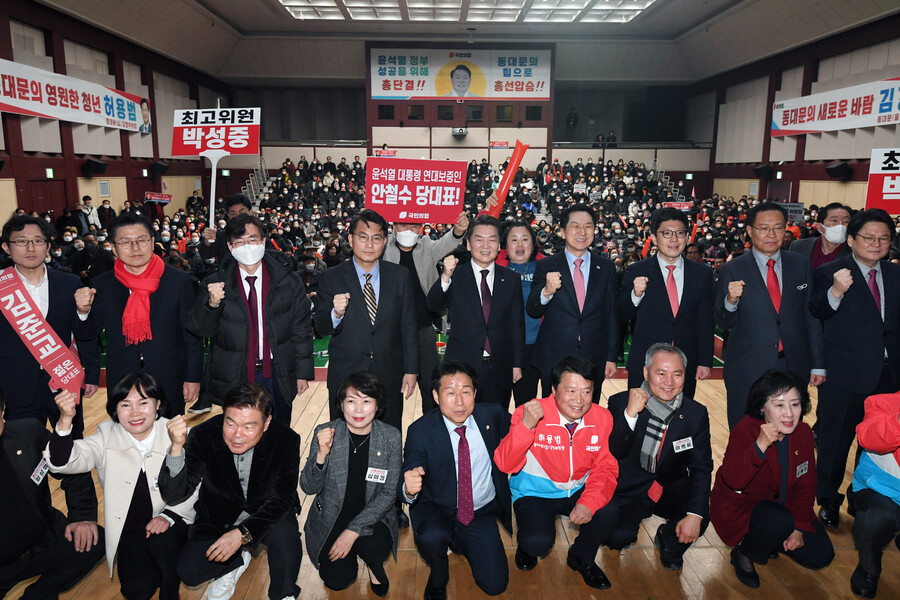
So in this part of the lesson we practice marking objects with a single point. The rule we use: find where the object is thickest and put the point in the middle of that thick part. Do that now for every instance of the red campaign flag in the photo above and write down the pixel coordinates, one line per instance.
(503, 189)
(52, 354)
(694, 231)
(646, 247)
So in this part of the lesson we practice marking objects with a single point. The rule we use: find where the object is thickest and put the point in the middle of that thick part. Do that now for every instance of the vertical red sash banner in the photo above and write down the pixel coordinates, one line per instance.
(506, 181)
(23, 315)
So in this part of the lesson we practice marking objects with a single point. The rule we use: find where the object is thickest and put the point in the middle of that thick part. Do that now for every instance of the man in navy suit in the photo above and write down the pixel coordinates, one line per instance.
(762, 297)
(367, 307)
(172, 354)
(487, 317)
(670, 299)
(858, 299)
(575, 293)
(27, 241)
(455, 490)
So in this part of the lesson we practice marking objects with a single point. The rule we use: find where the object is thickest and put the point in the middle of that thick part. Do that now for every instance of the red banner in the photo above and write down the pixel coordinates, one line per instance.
(233, 130)
(404, 190)
(884, 180)
(684, 206)
(157, 197)
(26, 320)
(385, 153)
(498, 144)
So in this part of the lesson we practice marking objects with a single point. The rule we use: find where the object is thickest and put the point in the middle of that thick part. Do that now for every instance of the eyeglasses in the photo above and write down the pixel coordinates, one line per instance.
(668, 233)
(37, 243)
(141, 242)
(365, 238)
(253, 240)
(765, 230)
(872, 240)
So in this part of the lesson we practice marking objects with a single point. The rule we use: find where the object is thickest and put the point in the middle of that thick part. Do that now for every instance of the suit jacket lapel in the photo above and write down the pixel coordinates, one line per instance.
(356, 292)
(753, 277)
(341, 453)
(568, 285)
(657, 282)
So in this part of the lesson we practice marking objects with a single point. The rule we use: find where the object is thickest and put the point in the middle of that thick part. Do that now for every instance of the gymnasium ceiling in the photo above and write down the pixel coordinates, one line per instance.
(620, 42)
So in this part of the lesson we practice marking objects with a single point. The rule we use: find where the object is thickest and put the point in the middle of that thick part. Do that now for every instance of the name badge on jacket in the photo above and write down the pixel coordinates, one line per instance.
(802, 468)
(40, 472)
(683, 444)
(376, 475)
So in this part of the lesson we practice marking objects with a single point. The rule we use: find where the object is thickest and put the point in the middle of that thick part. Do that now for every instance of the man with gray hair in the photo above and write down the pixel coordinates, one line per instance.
(661, 440)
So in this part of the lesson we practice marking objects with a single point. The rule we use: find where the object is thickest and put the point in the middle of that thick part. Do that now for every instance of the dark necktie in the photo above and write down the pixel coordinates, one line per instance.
(465, 505)
(486, 305)
(774, 290)
(254, 329)
(369, 294)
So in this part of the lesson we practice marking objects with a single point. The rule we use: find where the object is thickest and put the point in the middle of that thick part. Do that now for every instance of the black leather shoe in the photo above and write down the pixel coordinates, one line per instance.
(592, 574)
(435, 593)
(667, 559)
(402, 519)
(525, 561)
(743, 569)
(830, 514)
(379, 589)
(863, 584)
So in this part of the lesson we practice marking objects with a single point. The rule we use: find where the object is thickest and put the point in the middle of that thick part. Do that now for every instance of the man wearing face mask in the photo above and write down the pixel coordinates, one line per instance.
(105, 214)
(831, 223)
(419, 254)
(92, 260)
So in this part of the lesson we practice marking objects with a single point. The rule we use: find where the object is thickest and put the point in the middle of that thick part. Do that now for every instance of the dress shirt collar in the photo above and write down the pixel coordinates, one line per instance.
(360, 272)
(28, 283)
(762, 259)
(571, 258)
(451, 426)
(679, 265)
(865, 269)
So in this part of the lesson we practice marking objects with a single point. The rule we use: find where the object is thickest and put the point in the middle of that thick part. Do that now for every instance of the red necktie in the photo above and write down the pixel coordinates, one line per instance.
(485, 305)
(578, 280)
(465, 505)
(571, 427)
(774, 290)
(672, 289)
(873, 287)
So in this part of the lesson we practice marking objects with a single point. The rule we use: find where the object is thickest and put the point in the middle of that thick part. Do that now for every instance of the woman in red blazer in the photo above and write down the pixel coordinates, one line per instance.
(762, 500)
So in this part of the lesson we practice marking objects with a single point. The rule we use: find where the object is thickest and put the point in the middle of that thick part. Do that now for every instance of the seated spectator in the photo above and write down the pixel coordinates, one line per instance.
(127, 451)
(353, 517)
(551, 477)
(762, 500)
(242, 446)
(36, 538)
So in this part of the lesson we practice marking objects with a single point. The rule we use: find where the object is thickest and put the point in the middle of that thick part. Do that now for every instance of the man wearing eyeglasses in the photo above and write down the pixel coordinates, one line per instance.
(366, 305)
(858, 299)
(143, 306)
(762, 297)
(670, 299)
(26, 240)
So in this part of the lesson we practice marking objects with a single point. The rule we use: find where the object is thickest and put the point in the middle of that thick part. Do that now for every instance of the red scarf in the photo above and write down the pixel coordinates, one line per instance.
(136, 318)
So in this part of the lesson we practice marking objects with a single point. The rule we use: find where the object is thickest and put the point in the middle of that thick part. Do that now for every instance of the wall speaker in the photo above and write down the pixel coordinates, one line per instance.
(839, 170)
(158, 168)
(763, 171)
(93, 167)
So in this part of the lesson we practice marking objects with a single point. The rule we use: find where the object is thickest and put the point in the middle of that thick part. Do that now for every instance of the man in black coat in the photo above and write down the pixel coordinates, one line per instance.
(239, 349)
(170, 353)
(661, 439)
(249, 466)
(36, 538)
(366, 306)
(670, 299)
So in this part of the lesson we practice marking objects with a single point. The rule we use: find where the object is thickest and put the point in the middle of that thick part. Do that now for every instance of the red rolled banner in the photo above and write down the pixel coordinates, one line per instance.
(503, 189)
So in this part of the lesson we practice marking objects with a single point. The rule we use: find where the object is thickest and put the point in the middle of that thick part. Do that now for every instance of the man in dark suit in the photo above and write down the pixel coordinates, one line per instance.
(661, 439)
(461, 505)
(487, 317)
(143, 305)
(831, 243)
(575, 293)
(670, 299)
(762, 297)
(858, 299)
(249, 467)
(35, 538)
(26, 240)
(366, 306)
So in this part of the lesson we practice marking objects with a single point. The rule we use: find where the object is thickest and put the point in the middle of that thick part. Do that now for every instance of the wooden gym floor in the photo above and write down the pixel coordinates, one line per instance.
(635, 572)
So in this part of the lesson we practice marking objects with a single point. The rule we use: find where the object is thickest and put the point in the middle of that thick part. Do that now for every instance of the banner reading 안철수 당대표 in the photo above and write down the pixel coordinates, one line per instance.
(415, 74)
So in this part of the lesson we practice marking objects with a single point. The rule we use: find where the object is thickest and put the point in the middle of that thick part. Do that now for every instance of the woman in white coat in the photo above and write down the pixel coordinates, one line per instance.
(128, 451)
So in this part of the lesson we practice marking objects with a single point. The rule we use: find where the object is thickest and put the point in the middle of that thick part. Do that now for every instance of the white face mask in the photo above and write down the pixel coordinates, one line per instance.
(836, 234)
(249, 254)
(407, 239)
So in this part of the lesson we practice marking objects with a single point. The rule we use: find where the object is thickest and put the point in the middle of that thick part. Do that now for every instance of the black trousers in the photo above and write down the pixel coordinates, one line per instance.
(527, 388)
(621, 525)
(536, 518)
(373, 549)
(771, 524)
(838, 413)
(877, 523)
(59, 566)
(281, 408)
(285, 552)
(493, 385)
(479, 541)
(146, 564)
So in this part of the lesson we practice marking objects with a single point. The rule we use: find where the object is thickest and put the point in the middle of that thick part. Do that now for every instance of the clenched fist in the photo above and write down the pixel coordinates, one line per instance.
(640, 285)
(412, 479)
(325, 437)
(462, 224)
(768, 435)
(66, 402)
(735, 290)
(209, 235)
(554, 282)
(84, 298)
(532, 414)
(340, 303)
(637, 400)
(216, 293)
(842, 282)
(177, 428)
(450, 263)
